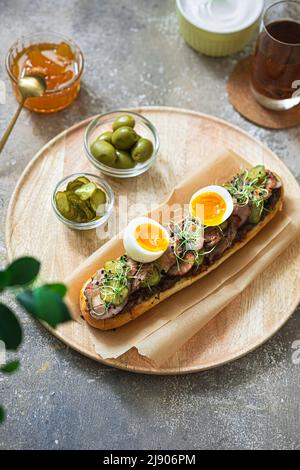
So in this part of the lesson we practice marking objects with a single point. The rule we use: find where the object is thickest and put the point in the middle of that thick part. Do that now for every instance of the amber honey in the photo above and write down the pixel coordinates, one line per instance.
(58, 62)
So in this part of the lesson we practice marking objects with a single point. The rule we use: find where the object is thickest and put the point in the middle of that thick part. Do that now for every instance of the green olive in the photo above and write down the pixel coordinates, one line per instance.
(142, 150)
(124, 160)
(124, 138)
(106, 136)
(124, 120)
(104, 152)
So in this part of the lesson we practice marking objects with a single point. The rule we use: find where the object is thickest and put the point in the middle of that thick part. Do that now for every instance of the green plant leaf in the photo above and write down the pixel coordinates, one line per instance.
(46, 303)
(23, 271)
(59, 289)
(10, 367)
(4, 280)
(27, 301)
(50, 306)
(10, 328)
(2, 414)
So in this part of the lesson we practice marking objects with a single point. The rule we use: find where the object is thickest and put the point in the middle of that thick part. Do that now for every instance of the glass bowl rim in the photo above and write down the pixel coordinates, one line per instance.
(119, 172)
(36, 34)
(85, 225)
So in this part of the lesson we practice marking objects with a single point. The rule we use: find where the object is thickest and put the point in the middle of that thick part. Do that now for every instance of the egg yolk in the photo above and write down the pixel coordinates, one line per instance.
(210, 206)
(151, 238)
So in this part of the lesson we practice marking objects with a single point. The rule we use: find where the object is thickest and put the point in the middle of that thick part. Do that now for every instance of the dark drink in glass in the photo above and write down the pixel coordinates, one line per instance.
(276, 63)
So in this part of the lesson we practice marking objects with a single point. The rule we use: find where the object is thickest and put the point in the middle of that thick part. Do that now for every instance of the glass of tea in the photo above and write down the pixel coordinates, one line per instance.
(275, 76)
(57, 59)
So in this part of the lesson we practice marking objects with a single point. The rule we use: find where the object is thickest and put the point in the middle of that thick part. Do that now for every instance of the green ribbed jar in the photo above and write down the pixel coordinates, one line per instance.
(212, 43)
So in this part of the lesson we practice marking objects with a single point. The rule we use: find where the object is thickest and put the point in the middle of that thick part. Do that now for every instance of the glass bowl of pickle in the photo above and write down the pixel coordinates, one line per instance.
(121, 143)
(83, 201)
(58, 59)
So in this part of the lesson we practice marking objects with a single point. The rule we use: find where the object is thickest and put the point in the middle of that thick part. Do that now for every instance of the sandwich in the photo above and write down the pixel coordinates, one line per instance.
(159, 261)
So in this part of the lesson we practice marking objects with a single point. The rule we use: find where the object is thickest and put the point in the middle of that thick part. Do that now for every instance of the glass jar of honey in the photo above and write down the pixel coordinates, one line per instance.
(58, 59)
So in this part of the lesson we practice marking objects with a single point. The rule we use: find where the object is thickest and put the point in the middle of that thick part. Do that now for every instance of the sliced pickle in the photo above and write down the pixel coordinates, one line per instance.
(258, 172)
(199, 260)
(86, 191)
(90, 214)
(74, 199)
(98, 201)
(114, 267)
(82, 201)
(152, 280)
(83, 179)
(113, 294)
(256, 213)
(73, 185)
(62, 203)
(79, 215)
(81, 211)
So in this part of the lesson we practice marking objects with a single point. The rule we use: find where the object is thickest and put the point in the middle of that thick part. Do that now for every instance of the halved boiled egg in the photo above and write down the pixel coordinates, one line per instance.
(145, 240)
(211, 205)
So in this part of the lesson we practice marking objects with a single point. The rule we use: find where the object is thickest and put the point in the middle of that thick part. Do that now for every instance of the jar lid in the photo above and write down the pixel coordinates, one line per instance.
(221, 16)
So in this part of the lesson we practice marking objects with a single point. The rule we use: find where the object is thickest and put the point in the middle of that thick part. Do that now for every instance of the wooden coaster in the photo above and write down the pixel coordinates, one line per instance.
(241, 97)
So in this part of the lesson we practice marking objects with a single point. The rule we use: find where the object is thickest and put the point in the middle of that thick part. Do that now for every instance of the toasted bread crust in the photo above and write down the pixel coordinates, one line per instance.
(129, 315)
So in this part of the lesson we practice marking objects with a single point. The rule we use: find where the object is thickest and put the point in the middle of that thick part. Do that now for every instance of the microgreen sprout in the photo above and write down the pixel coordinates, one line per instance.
(187, 237)
(245, 189)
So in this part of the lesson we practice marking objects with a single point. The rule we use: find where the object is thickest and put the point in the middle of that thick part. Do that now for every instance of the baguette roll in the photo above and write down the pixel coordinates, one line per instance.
(133, 311)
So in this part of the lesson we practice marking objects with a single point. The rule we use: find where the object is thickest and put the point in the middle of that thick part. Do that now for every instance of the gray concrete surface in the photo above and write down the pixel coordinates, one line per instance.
(60, 400)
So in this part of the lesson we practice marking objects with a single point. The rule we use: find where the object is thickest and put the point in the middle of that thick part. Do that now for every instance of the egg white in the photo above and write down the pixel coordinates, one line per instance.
(132, 247)
(223, 193)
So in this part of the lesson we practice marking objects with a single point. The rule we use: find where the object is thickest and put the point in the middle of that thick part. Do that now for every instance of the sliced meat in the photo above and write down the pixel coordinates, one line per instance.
(183, 267)
(217, 251)
(272, 182)
(167, 260)
(132, 266)
(272, 201)
(197, 241)
(100, 312)
(232, 230)
(143, 272)
(113, 310)
(195, 246)
(226, 242)
(243, 214)
(212, 236)
(93, 286)
(96, 304)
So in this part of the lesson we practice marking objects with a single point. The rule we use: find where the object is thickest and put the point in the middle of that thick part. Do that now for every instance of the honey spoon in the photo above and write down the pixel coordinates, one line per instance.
(30, 86)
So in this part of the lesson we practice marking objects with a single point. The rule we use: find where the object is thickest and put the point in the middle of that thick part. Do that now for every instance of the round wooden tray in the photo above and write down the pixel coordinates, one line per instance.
(187, 140)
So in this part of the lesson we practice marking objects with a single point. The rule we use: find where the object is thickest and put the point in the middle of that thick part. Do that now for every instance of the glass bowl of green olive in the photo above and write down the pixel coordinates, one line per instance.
(83, 201)
(121, 144)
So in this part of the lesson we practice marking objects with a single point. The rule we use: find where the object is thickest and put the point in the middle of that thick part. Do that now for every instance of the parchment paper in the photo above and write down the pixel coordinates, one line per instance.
(159, 333)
